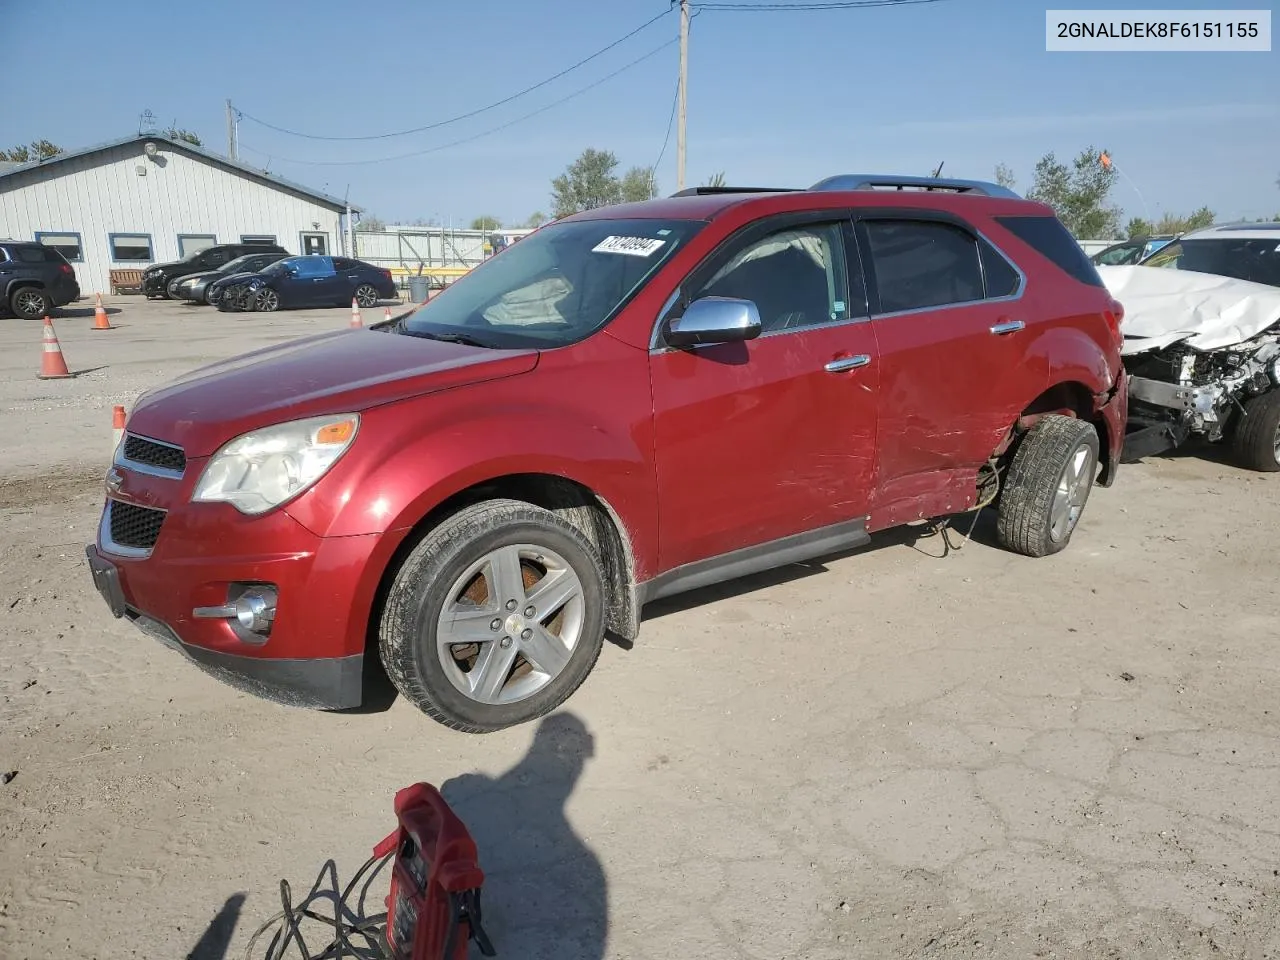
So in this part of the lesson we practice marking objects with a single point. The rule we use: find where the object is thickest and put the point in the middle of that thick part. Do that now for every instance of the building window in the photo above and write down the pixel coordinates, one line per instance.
(315, 244)
(68, 244)
(189, 243)
(130, 247)
(258, 238)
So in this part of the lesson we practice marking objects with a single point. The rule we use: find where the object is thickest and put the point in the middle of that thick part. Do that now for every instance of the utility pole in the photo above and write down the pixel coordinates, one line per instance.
(684, 91)
(231, 131)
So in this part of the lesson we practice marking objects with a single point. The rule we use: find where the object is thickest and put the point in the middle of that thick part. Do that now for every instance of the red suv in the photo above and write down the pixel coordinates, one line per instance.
(631, 402)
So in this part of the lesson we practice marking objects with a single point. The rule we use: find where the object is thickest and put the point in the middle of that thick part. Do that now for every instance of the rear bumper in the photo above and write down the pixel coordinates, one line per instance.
(1113, 408)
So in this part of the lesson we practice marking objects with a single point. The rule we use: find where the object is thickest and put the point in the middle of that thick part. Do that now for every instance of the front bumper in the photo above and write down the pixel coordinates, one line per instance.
(154, 286)
(325, 683)
(314, 653)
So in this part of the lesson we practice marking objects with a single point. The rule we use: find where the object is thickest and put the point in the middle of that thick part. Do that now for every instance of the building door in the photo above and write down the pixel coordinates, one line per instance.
(315, 244)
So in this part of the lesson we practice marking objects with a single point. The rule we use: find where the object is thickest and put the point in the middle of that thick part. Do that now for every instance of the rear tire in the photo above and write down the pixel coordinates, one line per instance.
(1255, 442)
(461, 635)
(366, 295)
(29, 303)
(1047, 486)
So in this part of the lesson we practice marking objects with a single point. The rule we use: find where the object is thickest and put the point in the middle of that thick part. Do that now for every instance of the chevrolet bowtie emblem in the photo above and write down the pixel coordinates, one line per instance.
(115, 480)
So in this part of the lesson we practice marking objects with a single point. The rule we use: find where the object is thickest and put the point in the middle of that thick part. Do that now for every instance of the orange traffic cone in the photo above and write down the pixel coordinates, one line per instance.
(386, 314)
(355, 314)
(100, 321)
(53, 366)
(117, 425)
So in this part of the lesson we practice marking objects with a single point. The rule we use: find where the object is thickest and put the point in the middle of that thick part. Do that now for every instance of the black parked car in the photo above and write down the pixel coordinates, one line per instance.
(155, 280)
(35, 278)
(195, 287)
(310, 281)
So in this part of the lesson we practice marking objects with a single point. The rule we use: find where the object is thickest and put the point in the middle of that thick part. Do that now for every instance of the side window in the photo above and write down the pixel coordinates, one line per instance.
(1051, 240)
(342, 264)
(30, 254)
(999, 277)
(923, 263)
(311, 268)
(795, 277)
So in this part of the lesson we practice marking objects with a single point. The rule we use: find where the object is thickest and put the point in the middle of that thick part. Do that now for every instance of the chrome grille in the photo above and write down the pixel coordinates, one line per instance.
(153, 454)
(134, 526)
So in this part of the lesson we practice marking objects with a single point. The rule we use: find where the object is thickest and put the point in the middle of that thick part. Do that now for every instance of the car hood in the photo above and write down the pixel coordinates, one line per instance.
(234, 278)
(193, 277)
(340, 372)
(170, 267)
(1163, 306)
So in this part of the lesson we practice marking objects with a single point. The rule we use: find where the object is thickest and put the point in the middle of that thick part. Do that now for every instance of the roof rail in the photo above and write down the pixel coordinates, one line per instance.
(708, 191)
(871, 181)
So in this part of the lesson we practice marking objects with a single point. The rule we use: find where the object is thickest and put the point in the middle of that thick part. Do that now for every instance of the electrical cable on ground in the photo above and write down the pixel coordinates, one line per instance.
(469, 114)
(484, 133)
(346, 923)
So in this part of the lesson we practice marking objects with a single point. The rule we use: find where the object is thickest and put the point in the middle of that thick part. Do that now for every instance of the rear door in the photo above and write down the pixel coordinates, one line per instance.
(955, 369)
(776, 436)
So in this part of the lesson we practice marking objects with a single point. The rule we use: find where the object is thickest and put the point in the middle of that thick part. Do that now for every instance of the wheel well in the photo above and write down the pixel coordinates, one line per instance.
(1072, 399)
(16, 284)
(573, 502)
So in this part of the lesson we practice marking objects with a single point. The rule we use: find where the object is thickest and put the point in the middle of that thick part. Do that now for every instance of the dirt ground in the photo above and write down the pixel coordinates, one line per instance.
(894, 753)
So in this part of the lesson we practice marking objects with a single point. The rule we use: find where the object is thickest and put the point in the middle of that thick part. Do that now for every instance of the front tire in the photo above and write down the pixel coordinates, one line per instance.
(1047, 486)
(29, 303)
(495, 618)
(1256, 439)
(267, 301)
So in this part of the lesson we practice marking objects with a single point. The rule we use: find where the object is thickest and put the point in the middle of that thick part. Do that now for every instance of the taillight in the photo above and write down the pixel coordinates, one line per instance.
(65, 268)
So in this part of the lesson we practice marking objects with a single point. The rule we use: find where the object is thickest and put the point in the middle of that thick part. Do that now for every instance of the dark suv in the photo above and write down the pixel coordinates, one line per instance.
(631, 402)
(155, 280)
(35, 278)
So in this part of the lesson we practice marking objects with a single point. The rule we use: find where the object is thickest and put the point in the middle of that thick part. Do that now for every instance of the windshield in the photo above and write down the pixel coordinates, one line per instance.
(555, 287)
(1256, 260)
(238, 264)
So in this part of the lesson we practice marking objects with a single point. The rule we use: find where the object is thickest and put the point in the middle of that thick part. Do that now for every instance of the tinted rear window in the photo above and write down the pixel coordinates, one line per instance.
(1050, 239)
(31, 255)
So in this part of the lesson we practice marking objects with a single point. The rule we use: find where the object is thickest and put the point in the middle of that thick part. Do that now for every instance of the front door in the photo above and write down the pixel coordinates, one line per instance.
(315, 283)
(315, 244)
(760, 440)
(956, 369)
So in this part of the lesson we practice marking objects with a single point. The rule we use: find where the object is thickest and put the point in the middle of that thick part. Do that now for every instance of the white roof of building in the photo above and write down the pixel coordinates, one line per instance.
(253, 173)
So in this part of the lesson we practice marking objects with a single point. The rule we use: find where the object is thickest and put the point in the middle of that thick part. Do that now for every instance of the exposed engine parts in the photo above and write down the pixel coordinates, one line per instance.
(1176, 392)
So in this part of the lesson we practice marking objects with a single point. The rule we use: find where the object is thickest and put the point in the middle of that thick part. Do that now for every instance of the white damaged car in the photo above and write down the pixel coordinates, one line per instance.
(1202, 343)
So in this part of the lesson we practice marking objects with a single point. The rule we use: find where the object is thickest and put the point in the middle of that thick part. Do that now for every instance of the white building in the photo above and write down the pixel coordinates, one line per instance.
(149, 199)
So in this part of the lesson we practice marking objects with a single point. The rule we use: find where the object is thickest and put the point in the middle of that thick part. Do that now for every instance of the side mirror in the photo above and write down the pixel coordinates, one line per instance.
(714, 320)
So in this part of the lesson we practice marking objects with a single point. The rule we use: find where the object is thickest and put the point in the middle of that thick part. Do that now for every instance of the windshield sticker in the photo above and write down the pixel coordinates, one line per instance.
(631, 246)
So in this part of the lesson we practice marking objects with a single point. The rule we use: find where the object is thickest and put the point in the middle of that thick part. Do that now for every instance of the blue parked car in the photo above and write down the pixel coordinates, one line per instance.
(310, 281)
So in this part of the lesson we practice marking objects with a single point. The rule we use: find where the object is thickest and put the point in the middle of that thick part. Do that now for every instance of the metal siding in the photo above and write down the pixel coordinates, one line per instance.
(100, 194)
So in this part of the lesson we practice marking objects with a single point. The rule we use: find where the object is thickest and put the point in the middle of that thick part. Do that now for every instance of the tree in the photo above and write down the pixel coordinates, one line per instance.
(486, 223)
(1004, 177)
(1137, 228)
(715, 180)
(587, 183)
(186, 136)
(536, 219)
(27, 153)
(1078, 194)
(369, 223)
(638, 184)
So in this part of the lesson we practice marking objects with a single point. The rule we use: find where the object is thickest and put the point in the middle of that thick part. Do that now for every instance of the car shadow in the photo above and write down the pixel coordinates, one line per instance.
(545, 893)
(72, 313)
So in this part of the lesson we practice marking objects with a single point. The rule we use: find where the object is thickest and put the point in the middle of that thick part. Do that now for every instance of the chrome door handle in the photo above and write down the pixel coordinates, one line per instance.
(848, 363)
(1009, 326)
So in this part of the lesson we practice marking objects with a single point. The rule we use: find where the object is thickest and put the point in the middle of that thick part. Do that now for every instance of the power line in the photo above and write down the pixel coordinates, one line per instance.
(472, 113)
(715, 6)
(484, 133)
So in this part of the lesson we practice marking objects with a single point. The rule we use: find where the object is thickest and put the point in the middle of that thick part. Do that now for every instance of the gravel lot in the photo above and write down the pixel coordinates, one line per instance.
(894, 753)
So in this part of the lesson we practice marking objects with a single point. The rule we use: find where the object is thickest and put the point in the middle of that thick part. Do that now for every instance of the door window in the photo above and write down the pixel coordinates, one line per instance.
(923, 263)
(795, 277)
(313, 268)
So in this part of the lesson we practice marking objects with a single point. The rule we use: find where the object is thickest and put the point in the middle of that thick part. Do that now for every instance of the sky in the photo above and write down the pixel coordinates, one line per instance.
(775, 98)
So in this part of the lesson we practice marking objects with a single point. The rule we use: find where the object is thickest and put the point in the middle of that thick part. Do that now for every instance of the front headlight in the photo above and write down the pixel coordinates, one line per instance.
(263, 468)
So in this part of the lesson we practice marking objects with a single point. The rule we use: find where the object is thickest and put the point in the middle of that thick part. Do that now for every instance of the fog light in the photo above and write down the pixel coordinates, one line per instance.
(256, 610)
